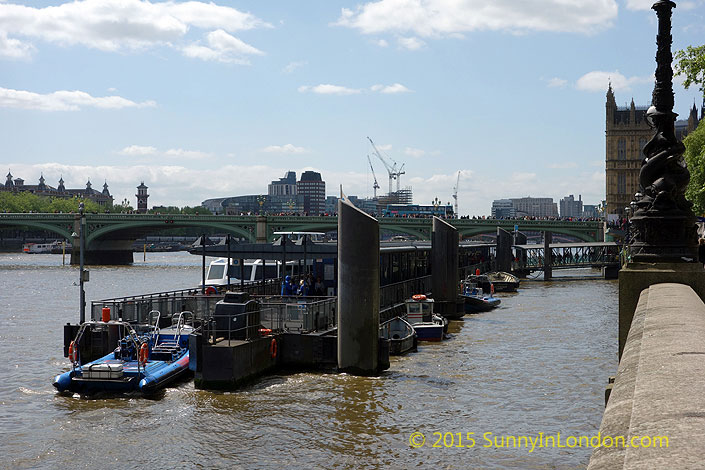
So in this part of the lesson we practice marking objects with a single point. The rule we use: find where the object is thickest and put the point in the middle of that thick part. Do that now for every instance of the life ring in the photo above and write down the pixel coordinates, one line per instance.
(273, 348)
(418, 297)
(144, 353)
(492, 289)
(73, 352)
(210, 290)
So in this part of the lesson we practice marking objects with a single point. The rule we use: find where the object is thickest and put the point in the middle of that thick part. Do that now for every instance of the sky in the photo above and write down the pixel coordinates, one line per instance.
(214, 99)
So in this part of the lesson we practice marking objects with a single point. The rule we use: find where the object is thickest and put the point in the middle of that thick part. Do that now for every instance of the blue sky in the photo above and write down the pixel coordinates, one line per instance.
(205, 100)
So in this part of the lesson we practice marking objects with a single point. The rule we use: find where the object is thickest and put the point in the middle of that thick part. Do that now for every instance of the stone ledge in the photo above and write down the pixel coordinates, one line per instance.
(660, 383)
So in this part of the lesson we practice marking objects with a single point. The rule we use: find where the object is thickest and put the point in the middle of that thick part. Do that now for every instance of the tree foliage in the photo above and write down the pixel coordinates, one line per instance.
(28, 202)
(695, 159)
(690, 63)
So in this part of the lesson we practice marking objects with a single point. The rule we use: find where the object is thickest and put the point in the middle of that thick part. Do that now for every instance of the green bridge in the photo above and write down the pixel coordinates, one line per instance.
(109, 237)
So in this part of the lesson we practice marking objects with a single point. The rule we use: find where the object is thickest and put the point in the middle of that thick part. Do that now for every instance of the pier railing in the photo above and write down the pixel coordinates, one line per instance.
(298, 313)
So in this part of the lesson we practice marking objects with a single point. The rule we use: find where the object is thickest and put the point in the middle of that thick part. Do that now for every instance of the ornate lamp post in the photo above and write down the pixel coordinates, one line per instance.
(663, 223)
(260, 201)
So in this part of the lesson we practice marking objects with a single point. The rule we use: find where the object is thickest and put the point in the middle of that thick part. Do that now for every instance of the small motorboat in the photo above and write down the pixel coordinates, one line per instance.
(142, 362)
(476, 300)
(428, 326)
(401, 335)
(503, 282)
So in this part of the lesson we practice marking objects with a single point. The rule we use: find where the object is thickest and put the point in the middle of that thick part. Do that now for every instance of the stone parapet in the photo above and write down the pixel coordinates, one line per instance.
(658, 390)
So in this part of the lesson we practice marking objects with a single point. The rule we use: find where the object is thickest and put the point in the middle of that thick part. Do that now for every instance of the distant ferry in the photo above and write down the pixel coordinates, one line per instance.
(53, 247)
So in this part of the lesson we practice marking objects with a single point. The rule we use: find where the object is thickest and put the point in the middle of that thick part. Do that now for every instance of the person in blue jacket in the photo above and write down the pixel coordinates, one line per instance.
(287, 287)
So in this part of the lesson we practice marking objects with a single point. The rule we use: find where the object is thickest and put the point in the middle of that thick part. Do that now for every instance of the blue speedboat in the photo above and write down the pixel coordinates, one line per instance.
(143, 362)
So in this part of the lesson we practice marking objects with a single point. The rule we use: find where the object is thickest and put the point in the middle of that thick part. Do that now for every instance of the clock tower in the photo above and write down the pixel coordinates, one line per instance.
(142, 198)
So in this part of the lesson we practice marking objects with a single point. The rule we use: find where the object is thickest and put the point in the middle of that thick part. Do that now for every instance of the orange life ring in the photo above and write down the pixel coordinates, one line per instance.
(418, 297)
(73, 352)
(273, 348)
(210, 290)
(144, 353)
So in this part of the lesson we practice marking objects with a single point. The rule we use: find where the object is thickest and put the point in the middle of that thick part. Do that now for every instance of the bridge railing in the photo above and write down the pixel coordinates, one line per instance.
(570, 257)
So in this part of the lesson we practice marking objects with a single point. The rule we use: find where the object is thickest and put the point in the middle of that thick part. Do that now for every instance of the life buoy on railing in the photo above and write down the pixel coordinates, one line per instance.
(73, 352)
(210, 290)
(418, 297)
(273, 348)
(144, 353)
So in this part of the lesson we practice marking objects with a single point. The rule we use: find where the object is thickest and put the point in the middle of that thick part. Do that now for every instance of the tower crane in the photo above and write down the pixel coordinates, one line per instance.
(394, 174)
(375, 186)
(455, 193)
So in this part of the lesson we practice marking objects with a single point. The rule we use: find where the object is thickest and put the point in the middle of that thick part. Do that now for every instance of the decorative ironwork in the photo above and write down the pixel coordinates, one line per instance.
(663, 224)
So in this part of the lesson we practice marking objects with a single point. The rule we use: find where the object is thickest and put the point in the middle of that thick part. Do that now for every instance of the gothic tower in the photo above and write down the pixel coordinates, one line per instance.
(142, 198)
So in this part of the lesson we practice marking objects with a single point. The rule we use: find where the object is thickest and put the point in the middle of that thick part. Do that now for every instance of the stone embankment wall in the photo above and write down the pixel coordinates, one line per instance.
(659, 389)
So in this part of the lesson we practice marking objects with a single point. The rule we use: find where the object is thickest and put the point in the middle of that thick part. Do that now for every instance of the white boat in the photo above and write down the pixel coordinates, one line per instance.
(428, 326)
(53, 247)
(250, 272)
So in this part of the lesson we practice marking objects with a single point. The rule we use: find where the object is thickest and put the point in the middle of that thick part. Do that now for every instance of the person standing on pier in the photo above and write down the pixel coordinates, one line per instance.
(287, 286)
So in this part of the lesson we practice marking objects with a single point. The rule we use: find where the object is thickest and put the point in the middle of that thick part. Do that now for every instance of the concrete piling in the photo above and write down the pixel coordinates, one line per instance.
(547, 256)
(358, 290)
(444, 268)
(503, 255)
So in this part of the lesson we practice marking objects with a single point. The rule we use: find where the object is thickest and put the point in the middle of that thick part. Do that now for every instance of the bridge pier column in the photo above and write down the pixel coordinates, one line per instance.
(104, 253)
(547, 256)
(261, 229)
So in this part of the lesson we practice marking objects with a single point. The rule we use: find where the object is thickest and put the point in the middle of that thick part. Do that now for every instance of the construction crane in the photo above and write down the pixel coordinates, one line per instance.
(375, 186)
(394, 174)
(455, 193)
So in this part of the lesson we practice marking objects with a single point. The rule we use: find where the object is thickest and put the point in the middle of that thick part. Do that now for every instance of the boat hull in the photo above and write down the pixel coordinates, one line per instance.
(474, 304)
(400, 334)
(149, 379)
(428, 331)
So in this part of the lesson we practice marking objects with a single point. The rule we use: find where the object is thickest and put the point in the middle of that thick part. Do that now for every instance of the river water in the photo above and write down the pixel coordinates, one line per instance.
(538, 364)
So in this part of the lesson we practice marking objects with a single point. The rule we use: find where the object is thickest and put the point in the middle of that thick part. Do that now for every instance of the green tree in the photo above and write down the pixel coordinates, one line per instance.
(695, 159)
(690, 63)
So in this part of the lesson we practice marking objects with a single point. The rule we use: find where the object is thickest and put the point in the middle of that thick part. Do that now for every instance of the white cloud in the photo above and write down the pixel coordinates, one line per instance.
(286, 148)
(138, 150)
(382, 43)
(118, 25)
(412, 152)
(390, 89)
(292, 66)
(222, 47)
(411, 43)
(14, 48)
(326, 89)
(598, 81)
(639, 4)
(64, 101)
(438, 18)
(557, 82)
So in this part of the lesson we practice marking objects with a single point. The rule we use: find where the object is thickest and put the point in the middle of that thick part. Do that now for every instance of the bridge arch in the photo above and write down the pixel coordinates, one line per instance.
(102, 231)
(65, 233)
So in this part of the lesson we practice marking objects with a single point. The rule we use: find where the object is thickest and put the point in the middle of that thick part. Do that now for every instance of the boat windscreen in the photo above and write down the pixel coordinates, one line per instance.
(216, 271)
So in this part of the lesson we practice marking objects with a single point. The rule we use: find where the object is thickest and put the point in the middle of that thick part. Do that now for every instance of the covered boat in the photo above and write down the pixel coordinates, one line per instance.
(142, 362)
(428, 326)
(401, 335)
(503, 282)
